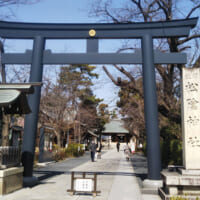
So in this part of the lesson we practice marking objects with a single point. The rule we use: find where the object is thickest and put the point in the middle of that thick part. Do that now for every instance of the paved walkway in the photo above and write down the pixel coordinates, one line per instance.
(117, 179)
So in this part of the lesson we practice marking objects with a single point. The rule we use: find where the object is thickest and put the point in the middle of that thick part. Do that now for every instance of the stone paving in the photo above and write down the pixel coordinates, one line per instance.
(116, 180)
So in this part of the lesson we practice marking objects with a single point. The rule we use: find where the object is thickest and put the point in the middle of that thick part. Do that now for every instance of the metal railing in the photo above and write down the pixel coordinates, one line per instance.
(9, 157)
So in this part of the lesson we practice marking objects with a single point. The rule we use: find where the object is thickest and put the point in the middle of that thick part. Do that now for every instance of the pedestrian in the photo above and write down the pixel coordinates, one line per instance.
(99, 151)
(133, 148)
(127, 151)
(93, 147)
(118, 146)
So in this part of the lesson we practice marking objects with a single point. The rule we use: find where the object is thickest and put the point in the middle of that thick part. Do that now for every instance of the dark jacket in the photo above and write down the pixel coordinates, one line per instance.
(93, 147)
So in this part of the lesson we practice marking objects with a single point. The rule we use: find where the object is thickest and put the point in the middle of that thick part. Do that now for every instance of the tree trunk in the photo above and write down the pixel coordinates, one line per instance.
(5, 118)
(58, 138)
(5, 130)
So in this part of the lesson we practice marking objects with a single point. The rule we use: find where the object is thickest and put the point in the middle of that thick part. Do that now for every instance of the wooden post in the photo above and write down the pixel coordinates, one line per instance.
(95, 185)
(72, 184)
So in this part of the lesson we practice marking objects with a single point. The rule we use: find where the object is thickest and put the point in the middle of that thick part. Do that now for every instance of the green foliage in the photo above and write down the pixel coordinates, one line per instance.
(171, 131)
(88, 99)
(103, 117)
(171, 152)
(75, 76)
(145, 148)
(182, 198)
(171, 145)
(59, 155)
(73, 150)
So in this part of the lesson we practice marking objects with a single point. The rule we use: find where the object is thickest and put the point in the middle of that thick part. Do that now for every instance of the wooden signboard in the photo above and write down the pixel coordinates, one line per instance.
(83, 184)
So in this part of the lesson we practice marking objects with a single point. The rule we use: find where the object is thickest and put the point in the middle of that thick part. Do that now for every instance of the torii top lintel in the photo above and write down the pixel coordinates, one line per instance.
(175, 28)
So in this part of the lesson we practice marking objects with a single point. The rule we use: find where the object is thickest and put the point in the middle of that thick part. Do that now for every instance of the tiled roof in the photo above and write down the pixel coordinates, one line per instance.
(115, 126)
(13, 97)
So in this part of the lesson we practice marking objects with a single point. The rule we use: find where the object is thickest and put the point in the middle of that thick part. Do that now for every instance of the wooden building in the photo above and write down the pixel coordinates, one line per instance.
(115, 131)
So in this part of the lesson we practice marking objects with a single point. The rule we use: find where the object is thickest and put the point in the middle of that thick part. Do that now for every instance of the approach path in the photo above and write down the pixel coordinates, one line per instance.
(116, 179)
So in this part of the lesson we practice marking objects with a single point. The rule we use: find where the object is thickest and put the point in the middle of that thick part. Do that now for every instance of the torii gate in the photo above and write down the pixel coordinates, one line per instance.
(39, 32)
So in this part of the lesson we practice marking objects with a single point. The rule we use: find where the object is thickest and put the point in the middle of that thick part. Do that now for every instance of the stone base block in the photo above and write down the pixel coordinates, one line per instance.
(151, 186)
(172, 190)
(166, 196)
(175, 178)
(11, 179)
(190, 172)
(176, 184)
(147, 183)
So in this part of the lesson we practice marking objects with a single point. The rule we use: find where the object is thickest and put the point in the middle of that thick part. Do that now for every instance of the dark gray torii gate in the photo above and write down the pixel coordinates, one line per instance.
(39, 32)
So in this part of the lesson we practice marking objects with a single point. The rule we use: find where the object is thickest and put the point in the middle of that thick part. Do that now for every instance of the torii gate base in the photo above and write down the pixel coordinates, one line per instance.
(92, 32)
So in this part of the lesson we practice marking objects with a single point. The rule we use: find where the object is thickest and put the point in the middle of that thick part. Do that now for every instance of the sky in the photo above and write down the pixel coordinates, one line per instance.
(66, 11)
(59, 11)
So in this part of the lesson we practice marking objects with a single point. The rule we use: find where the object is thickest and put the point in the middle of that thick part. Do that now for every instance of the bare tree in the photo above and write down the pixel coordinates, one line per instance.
(6, 118)
(54, 108)
(168, 85)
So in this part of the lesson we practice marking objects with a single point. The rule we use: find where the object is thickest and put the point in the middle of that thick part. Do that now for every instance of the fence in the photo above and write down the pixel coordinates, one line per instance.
(9, 157)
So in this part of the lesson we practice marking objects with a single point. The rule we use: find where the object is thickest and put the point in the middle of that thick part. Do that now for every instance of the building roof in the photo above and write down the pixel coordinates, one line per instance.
(8, 96)
(13, 97)
(92, 133)
(115, 126)
(22, 87)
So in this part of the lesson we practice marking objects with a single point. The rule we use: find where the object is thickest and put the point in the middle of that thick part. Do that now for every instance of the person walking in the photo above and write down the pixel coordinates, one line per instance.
(99, 151)
(127, 151)
(93, 147)
(132, 147)
(118, 146)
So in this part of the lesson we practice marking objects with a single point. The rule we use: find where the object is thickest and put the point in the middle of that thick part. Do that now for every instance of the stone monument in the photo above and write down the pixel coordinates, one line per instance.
(185, 181)
(191, 120)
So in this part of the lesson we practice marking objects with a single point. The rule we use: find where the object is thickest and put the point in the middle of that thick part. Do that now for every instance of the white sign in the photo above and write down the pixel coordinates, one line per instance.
(84, 185)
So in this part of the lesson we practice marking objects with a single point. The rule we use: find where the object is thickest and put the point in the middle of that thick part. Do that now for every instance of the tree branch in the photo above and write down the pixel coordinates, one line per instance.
(126, 73)
(184, 48)
(188, 39)
(123, 84)
(192, 10)
(110, 76)
(161, 70)
(170, 115)
(115, 20)
(4, 3)
(138, 4)
(162, 8)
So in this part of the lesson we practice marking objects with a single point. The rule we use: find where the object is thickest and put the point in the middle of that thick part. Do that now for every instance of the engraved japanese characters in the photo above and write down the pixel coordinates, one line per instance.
(191, 118)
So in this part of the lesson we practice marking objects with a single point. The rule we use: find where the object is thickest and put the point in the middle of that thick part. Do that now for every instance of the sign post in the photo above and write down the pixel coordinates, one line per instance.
(83, 184)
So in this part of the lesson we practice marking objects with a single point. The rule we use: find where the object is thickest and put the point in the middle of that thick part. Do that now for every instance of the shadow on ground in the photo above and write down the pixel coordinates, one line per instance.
(139, 163)
(42, 175)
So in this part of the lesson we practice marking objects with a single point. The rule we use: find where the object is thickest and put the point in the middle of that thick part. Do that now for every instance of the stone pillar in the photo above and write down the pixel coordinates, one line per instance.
(41, 145)
(30, 128)
(191, 118)
(151, 109)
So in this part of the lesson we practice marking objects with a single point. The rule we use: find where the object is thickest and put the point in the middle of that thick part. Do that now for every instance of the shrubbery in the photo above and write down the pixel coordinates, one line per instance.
(73, 150)
(171, 144)
(59, 154)
(182, 198)
(171, 152)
